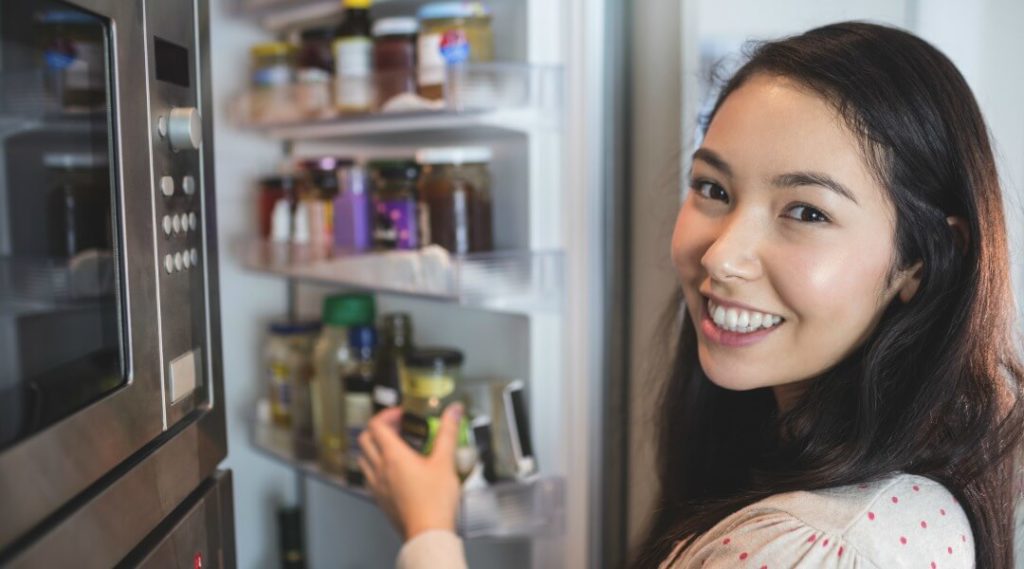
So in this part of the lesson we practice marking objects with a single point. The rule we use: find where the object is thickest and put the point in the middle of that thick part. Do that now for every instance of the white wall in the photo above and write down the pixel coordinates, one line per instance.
(247, 303)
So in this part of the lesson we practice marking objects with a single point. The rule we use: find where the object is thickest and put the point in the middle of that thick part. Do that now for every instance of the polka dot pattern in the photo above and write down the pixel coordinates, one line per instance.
(898, 521)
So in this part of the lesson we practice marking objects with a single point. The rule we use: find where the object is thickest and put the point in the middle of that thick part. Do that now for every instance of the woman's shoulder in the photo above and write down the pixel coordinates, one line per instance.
(902, 518)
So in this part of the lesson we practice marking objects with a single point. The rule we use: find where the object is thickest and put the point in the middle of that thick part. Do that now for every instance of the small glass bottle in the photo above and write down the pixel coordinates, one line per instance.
(395, 345)
(332, 356)
(353, 213)
(358, 396)
(353, 59)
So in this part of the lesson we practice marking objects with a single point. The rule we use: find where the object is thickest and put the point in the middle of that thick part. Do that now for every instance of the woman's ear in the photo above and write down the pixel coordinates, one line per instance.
(911, 281)
(961, 233)
(911, 278)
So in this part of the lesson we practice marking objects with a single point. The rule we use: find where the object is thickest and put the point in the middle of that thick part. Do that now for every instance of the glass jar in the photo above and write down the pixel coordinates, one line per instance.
(315, 63)
(396, 206)
(272, 74)
(455, 185)
(451, 33)
(288, 365)
(394, 57)
(430, 379)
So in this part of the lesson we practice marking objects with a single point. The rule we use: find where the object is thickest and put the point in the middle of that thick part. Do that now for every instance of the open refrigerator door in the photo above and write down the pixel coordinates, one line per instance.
(526, 309)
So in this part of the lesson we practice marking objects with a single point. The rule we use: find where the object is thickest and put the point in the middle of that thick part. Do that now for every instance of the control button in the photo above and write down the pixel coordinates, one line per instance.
(177, 224)
(177, 261)
(195, 257)
(169, 264)
(192, 221)
(167, 225)
(188, 183)
(167, 185)
(185, 129)
(161, 126)
(186, 260)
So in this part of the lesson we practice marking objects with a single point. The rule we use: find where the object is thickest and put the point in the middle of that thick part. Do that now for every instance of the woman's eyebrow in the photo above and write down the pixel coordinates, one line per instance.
(795, 179)
(712, 158)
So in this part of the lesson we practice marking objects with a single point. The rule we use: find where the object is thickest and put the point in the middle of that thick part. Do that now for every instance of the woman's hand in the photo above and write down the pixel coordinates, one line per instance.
(418, 493)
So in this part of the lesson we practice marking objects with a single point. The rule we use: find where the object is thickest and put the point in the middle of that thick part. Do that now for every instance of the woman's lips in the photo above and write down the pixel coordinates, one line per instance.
(730, 339)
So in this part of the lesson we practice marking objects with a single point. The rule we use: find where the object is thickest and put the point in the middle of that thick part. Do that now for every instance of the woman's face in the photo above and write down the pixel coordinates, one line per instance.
(789, 235)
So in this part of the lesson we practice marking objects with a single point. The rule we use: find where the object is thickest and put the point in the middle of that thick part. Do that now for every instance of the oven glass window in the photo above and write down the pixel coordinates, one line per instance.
(61, 337)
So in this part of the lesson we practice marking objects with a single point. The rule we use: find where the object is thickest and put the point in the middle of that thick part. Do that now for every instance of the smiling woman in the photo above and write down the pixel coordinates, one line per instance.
(847, 389)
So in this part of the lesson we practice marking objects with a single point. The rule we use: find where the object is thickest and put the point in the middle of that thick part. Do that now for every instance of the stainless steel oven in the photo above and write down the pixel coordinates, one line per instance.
(111, 409)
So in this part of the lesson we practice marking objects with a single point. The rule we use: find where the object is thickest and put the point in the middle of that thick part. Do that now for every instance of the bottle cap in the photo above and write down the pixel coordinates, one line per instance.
(357, 4)
(453, 10)
(271, 49)
(454, 155)
(360, 337)
(356, 309)
(396, 27)
(395, 169)
(435, 358)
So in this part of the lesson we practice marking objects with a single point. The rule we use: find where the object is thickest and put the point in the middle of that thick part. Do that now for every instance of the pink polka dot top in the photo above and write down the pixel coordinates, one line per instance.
(901, 521)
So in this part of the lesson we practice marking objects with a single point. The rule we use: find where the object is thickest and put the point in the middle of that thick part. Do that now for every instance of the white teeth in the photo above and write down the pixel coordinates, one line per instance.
(731, 317)
(756, 319)
(743, 321)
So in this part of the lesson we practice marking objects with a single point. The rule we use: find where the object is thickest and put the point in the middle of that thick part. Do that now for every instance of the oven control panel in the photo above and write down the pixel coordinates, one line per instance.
(176, 141)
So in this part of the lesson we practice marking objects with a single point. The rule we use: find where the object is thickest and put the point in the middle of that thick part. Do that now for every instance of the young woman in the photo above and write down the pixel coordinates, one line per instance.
(846, 388)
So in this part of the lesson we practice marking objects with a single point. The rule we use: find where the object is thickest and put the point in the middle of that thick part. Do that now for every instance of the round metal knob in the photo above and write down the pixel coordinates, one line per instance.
(185, 129)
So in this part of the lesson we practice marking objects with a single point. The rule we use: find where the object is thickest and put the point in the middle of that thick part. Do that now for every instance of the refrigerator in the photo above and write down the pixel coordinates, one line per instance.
(541, 308)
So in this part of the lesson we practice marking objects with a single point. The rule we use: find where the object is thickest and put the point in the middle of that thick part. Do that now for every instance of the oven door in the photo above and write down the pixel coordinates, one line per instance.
(104, 316)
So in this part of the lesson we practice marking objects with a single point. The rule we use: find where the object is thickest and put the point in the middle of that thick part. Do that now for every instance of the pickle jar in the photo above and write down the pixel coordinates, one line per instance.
(429, 386)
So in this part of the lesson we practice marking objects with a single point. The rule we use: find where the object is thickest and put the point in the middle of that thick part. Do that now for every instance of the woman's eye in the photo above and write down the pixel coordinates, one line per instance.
(710, 190)
(808, 214)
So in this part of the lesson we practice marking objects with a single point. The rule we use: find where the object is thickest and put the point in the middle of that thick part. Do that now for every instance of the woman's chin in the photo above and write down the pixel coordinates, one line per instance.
(726, 375)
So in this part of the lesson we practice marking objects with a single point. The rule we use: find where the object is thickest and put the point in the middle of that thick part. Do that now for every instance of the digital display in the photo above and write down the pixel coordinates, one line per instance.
(171, 62)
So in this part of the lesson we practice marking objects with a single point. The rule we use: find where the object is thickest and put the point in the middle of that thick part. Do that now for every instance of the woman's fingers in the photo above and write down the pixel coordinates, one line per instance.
(447, 434)
(384, 431)
(370, 473)
(370, 450)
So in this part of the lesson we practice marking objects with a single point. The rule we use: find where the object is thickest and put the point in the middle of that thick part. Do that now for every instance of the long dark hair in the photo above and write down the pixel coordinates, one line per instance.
(935, 391)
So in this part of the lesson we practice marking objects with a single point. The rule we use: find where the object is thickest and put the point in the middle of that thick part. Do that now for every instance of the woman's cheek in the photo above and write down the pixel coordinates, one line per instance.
(690, 239)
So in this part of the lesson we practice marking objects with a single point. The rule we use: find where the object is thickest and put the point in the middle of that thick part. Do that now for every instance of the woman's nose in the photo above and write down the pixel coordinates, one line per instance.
(734, 253)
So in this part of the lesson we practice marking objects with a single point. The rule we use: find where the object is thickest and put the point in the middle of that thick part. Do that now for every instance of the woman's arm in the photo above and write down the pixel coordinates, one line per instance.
(419, 493)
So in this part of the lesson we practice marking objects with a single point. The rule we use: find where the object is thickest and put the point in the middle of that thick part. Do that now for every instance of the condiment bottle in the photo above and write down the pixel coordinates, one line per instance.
(395, 204)
(455, 185)
(353, 58)
(332, 356)
(358, 396)
(394, 57)
(431, 380)
(396, 343)
(451, 33)
(353, 213)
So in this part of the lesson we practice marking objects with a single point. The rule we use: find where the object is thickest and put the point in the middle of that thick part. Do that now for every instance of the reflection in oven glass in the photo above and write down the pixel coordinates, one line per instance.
(61, 334)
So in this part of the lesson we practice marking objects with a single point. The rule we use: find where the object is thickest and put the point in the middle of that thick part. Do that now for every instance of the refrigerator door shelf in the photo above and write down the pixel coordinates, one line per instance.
(501, 281)
(531, 509)
(502, 96)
